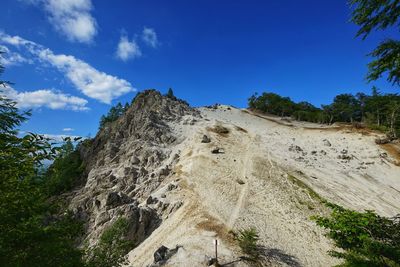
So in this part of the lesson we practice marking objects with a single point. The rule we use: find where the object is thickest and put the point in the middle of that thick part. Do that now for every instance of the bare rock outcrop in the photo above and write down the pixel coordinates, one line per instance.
(162, 255)
(126, 162)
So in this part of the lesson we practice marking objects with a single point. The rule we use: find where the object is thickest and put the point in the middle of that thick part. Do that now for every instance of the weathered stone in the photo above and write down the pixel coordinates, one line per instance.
(142, 222)
(205, 139)
(171, 187)
(135, 160)
(218, 150)
(326, 142)
(115, 199)
(102, 218)
(382, 141)
(295, 148)
(162, 255)
(220, 129)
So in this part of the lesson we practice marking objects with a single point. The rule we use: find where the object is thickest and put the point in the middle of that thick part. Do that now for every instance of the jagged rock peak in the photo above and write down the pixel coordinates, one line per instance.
(153, 101)
(127, 161)
(146, 120)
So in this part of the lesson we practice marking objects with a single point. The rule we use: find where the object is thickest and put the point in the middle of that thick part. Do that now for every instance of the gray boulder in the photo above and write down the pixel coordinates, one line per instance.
(205, 139)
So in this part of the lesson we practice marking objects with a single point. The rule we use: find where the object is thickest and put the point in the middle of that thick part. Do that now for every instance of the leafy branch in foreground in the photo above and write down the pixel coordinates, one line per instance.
(32, 231)
(379, 15)
(388, 61)
(365, 238)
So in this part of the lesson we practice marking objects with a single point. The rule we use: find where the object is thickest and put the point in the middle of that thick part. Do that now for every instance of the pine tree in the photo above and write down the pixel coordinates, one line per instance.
(170, 94)
(373, 15)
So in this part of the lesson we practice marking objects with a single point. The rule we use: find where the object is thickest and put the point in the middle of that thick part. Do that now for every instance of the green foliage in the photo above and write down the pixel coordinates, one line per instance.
(374, 14)
(170, 94)
(112, 247)
(247, 240)
(387, 56)
(65, 171)
(381, 111)
(272, 103)
(378, 15)
(113, 114)
(31, 232)
(346, 108)
(365, 238)
(308, 189)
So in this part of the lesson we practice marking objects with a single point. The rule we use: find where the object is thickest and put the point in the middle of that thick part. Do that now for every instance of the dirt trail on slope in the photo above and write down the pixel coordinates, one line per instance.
(285, 171)
(243, 193)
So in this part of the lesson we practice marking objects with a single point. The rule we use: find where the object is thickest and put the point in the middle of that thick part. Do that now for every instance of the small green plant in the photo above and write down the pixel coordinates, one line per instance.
(113, 114)
(308, 189)
(112, 247)
(365, 238)
(247, 240)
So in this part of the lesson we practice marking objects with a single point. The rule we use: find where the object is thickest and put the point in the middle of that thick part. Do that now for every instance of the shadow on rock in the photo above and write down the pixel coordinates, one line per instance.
(268, 255)
(265, 257)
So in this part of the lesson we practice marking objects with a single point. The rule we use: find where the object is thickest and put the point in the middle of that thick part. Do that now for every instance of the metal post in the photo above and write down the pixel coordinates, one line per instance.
(216, 251)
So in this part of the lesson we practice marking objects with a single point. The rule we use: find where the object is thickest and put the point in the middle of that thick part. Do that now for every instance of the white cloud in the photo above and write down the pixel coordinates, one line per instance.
(45, 98)
(149, 36)
(72, 18)
(9, 58)
(61, 137)
(68, 129)
(127, 49)
(54, 137)
(90, 81)
(14, 40)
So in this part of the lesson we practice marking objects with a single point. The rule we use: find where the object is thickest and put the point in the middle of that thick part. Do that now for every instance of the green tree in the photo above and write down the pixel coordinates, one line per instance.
(66, 170)
(32, 233)
(113, 114)
(393, 109)
(126, 107)
(379, 15)
(378, 111)
(306, 111)
(328, 111)
(272, 103)
(112, 247)
(365, 238)
(346, 108)
(170, 94)
(375, 107)
(362, 99)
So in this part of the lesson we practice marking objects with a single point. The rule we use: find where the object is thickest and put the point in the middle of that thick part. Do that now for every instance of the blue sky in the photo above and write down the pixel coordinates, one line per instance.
(71, 59)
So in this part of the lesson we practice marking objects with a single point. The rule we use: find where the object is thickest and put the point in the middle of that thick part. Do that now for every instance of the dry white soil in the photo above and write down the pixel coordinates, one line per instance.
(269, 177)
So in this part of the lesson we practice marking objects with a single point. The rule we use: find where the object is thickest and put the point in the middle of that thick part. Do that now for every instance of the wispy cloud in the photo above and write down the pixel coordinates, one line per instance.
(61, 137)
(68, 129)
(9, 58)
(45, 98)
(149, 37)
(90, 81)
(72, 18)
(127, 49)
(53, 137)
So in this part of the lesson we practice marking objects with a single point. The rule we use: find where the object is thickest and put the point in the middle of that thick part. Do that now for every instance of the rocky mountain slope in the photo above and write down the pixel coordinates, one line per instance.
(184, 177)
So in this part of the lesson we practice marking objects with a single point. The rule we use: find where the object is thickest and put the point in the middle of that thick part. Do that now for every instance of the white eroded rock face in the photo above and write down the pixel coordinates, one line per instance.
(126, 162)
(185, 177)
